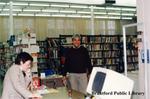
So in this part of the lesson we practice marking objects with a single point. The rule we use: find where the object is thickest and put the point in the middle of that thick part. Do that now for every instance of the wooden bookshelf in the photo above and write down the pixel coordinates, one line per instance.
(106, 50)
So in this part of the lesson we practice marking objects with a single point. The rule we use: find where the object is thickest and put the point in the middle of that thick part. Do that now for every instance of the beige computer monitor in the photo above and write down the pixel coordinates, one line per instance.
(108, 84)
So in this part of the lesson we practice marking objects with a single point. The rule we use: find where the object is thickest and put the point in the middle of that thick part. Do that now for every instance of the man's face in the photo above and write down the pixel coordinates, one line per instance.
(76, 42)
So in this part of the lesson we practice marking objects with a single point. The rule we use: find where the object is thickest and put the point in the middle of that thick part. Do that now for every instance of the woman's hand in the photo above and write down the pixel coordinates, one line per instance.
(36, 96)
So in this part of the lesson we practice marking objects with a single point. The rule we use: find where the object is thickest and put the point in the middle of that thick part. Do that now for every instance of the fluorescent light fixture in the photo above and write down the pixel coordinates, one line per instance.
(25, 15)
(12, 10)
(5, 9)
(86, 16)
(100, 13)
(2, 3)
(65, 11)
(128, 14)
(30, 10)
(101, 17)
(20, 4)
(99, 8)
(74, 16)
(112, 8)
(113, 13)
(79, 6)
(44, 15)
(127, 18)
(60, 5)
(17, 10)
(83, 12)
(41, 5)
(4, 14)
(58, 15)
(113, 17)
(128, 9)
(49, 10)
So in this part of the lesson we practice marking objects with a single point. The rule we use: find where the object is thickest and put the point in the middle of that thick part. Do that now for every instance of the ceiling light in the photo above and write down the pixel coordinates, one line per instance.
(86, 16)
(128, 9)
(113, 17)
(30, 10)
(56, 5)
(20, 4)
(99, 12)
(112, 13)
(127, 18)
(2, 3)
(74, 16)
(48, 10)
(100, 8)
(44, 15)
(42, 5)
(4, 14)
(113, 8)
(83, 12)
(101, 17)
(25, 15)
(58, 15)
(79, 6)
(63, 11)
(128, 14)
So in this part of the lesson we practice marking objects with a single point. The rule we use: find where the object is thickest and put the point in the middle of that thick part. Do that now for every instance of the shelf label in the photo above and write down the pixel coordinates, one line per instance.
(143, 56)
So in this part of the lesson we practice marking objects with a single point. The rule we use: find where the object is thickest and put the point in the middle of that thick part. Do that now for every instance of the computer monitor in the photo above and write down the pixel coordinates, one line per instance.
(108, 84)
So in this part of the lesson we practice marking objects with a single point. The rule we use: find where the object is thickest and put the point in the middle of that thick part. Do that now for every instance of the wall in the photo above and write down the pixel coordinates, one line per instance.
(52, 27)
(144, 26)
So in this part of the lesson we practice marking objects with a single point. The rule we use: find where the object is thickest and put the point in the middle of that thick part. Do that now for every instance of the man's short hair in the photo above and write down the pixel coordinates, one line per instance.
(76, 36)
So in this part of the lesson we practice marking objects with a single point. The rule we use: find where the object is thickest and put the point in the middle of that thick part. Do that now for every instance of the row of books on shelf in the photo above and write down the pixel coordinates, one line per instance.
(105, 54)
(53, 42)
(100, 39)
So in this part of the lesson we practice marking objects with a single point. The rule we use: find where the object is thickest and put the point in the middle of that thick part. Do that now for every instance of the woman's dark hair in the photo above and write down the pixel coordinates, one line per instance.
(23, 56)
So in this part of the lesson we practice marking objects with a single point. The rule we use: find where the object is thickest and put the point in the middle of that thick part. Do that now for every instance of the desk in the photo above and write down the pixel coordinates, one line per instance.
(62, 94)
(56, 82)
(53, 82)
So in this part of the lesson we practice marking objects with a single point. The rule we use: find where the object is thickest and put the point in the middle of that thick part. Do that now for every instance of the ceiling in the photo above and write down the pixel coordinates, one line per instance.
(69, 8)
(97, 2)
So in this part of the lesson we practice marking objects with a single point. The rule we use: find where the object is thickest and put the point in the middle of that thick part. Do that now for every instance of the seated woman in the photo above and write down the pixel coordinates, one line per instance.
(18, 79)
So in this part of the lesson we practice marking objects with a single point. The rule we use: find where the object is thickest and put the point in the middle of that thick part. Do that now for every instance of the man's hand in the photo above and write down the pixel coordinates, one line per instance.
(64, 80)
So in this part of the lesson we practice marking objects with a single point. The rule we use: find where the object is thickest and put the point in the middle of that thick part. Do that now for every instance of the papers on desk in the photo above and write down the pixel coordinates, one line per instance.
(53, 90)
(46, 91)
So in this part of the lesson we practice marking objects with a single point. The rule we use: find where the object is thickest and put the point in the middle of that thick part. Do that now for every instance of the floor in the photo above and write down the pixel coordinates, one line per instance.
(132, 75)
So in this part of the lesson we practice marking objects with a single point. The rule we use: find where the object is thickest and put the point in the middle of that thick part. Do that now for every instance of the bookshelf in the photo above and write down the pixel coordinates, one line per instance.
(132, 52)
(53, 45)
(105, 50)
(2, 60)
(42, 56)
(7, 57)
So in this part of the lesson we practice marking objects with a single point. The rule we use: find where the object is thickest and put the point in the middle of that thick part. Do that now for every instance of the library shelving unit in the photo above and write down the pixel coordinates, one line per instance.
(6, 58)
(105, 50)
(42, 56)
(132, 52)
(65, 43)
(2, 60)
(102, 49)
(53, 49)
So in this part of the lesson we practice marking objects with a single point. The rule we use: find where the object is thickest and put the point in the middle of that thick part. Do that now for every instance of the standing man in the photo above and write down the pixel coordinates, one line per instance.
(77, 65)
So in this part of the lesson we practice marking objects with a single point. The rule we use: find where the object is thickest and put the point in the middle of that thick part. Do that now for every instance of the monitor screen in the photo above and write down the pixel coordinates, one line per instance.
(98, 82)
